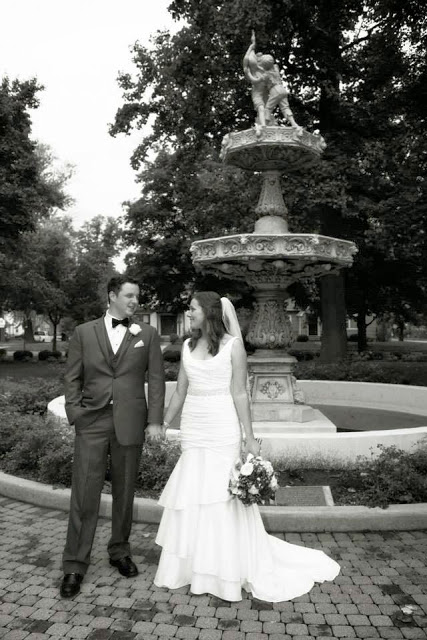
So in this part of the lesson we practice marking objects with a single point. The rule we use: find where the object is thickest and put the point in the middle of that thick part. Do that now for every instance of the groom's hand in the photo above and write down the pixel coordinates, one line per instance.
(155, 432)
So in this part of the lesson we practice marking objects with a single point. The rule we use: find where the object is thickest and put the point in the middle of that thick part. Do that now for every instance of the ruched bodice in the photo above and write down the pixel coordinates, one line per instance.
(208, 377)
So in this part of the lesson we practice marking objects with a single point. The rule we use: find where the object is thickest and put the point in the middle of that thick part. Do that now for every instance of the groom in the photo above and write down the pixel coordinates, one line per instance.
(108, 361)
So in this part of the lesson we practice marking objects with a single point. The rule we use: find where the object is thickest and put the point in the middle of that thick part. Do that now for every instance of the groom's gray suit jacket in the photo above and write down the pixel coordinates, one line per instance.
(96, 376)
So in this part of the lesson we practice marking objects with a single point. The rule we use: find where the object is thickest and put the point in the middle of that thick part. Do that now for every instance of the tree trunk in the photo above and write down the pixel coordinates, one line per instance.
(28, 328)
(362, 340)
(383, 329)
(333, 312)
(55, 327)
(400, 330)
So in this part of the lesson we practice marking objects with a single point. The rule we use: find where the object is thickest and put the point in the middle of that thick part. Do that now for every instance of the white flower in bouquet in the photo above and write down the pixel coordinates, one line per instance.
(273, 483)
(268, 466)
(247, 469)
(253, 482)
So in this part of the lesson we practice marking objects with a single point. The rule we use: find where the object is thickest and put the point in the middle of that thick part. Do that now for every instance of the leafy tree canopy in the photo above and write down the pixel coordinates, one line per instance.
(29, 190)
(31, 187)
(357, 72)
(96, 244)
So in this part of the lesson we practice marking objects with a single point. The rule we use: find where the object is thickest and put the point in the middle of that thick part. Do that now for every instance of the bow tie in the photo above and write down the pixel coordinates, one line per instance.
(124, 322)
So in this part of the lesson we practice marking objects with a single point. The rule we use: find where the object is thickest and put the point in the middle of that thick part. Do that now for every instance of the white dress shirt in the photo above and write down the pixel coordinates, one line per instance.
(115, 335)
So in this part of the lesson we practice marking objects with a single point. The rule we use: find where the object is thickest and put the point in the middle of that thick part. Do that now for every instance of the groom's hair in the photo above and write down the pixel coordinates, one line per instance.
(117, 282)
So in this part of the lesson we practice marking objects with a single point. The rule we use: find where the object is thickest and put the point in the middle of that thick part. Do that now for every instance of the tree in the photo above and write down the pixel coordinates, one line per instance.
(63, 273)
(27, 193)
(96, 245)
(43, 272)
(30, 187)
(357, 71)
(179, 204)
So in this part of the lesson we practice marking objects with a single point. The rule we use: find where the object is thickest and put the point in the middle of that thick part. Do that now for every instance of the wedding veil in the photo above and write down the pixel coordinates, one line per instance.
(229, 318)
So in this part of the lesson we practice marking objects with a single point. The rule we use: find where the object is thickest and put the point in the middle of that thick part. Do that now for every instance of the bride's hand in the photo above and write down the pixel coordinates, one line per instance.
(252, 446)
(155, 432)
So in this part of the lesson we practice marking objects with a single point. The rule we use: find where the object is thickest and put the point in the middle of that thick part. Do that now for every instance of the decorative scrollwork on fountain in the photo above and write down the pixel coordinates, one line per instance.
(271, 200)
(307, 247)
(272, 389)
(270, 327)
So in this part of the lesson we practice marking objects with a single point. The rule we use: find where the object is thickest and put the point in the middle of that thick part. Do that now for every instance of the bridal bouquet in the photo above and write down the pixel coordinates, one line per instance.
(253, 481)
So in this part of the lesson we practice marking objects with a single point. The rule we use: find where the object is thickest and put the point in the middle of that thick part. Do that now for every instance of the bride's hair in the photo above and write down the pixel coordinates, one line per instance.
(210, 303)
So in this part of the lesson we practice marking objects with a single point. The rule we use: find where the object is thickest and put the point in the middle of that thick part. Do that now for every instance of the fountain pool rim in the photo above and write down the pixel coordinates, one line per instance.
(399, 517)
(339, 448)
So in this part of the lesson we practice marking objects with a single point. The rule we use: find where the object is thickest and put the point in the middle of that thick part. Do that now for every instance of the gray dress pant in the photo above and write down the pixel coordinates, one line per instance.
(92, 445)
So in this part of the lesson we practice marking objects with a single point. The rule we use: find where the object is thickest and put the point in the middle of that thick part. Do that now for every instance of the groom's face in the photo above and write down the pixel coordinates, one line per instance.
(124, 303)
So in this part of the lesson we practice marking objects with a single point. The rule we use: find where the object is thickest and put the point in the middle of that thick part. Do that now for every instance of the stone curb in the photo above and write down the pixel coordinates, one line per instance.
(398, 517)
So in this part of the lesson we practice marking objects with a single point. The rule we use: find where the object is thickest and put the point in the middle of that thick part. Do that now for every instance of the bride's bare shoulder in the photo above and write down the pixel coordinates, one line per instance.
(237, 344)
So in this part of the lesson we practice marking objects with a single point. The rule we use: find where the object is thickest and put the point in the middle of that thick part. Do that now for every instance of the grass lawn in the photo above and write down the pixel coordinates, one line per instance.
(24, 370)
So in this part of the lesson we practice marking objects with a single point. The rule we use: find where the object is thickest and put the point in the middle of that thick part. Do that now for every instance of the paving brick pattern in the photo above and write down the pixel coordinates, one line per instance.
(381, 573)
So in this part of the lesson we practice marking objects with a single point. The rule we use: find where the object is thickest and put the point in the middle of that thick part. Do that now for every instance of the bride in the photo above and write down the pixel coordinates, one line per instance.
(209, 539)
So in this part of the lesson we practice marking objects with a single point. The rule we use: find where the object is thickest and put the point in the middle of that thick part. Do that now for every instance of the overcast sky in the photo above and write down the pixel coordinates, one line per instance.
(76, 48)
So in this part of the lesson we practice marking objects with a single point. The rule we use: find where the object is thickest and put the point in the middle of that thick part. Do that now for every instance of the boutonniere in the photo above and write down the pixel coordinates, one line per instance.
(134, 329)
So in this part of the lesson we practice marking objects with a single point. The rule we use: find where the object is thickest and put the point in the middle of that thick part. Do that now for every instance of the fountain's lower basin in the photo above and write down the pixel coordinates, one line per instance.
(333, 447)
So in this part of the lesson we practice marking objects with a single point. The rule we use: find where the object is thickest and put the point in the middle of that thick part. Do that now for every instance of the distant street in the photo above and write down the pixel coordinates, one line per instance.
(18, 343)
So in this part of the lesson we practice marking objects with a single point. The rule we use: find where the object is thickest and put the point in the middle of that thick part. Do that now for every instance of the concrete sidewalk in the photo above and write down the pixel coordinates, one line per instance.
(381, 574)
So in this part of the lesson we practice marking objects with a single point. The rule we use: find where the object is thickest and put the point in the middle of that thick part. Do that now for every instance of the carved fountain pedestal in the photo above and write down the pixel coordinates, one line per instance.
(270, 259)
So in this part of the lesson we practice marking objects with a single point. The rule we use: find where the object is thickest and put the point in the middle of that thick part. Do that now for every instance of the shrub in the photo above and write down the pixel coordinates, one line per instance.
(362, 371)
(157, 462)
(173, 338)
(171, 371)
(31, 396)
(57, 464)
(25, 453)
(50, 355)
(413, 357)
(171, 356)
(31, 446)
(9, 428)
(353, 337)
(302, 338)
(303, 355)
(395, 476)
(22, 355)
(3, 354)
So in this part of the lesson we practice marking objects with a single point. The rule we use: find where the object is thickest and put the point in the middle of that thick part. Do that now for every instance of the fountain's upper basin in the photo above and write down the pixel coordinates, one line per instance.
(273, 148)
(242, 247)
(289, 256)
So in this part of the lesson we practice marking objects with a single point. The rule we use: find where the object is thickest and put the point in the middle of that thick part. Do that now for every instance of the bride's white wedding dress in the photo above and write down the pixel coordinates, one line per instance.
(210, 540)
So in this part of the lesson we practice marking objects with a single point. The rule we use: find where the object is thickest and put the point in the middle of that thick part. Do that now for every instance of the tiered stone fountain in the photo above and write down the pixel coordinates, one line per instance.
(270, 259)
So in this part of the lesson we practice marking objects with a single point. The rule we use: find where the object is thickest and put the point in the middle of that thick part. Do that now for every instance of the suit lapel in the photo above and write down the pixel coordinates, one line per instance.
(101, 334)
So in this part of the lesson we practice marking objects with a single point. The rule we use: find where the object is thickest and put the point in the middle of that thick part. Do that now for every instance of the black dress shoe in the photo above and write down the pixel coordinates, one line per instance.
(126, 566)
(71, 585)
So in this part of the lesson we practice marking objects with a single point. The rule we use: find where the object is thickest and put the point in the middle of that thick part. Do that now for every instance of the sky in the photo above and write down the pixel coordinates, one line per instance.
(76, 48)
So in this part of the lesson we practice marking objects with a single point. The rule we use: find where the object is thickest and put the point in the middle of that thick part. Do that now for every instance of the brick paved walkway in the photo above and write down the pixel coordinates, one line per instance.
(381, 573)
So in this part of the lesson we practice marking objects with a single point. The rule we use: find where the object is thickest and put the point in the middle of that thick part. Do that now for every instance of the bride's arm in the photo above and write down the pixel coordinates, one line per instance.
(240, 395)
(178, 397)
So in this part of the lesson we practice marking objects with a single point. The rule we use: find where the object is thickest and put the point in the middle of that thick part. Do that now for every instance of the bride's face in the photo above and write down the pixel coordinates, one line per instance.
(196, 315)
